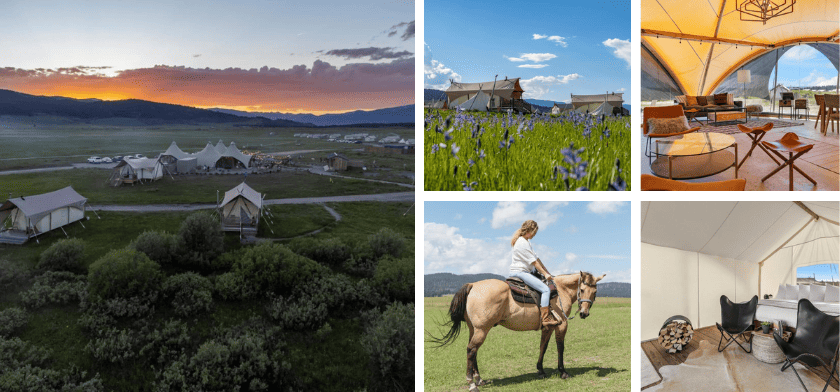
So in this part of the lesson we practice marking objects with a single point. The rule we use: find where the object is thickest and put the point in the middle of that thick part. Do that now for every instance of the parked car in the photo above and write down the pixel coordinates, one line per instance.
(118, 158)
(94, 159)
(107, 160)
(139, 156)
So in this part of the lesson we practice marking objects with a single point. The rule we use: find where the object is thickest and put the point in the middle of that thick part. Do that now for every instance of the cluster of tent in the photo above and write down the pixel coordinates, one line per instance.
(211, 156)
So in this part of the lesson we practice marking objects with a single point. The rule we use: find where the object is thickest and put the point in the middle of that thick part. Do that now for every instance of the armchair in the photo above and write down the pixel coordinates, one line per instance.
(661, 112)
(736, 319)
(814, 343)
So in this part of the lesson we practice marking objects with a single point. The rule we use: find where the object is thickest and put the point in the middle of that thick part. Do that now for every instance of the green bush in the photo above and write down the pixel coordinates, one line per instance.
(190, 293)
(389, 339)
(124, 274)
(332, 251)
(271, 267)
(166, 345)
(386, 242)
(302, 314)
(22, 369)
(11, 319)
(64, 255)
(200, 240)
(55, 288)
(362, 260)
(114, 345)
(161, 247)
(394, 278)
(232, 286)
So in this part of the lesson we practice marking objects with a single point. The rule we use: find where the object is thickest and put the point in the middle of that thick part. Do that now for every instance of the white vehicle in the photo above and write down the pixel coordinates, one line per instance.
(94, 159)
(107, 160)
(139, 156)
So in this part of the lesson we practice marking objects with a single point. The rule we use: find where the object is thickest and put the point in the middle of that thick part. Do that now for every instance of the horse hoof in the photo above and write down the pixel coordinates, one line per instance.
(540, 374)
(481, 382)
(473, 388)
(564, 375)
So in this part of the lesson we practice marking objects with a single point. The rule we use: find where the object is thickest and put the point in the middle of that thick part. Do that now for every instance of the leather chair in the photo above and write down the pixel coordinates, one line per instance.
(736, 319)
(661, 112)
(654, 183)
(815, 341)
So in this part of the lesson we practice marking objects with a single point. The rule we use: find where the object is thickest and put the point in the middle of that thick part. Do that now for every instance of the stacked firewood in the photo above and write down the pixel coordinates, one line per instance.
(675, 336)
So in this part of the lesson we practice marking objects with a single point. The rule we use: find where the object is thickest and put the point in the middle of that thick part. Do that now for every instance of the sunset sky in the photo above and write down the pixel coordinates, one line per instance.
(313, 56)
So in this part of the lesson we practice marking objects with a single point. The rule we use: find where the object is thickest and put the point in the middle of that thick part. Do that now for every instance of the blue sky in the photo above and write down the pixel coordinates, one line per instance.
(474, 237)
(805, 66)
(821, 272)
(557, 48)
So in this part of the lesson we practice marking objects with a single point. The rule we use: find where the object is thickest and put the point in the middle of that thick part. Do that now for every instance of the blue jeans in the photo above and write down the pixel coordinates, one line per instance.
(535, 283)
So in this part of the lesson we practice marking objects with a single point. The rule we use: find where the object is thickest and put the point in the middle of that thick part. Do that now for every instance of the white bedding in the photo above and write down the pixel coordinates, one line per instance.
(785, 310)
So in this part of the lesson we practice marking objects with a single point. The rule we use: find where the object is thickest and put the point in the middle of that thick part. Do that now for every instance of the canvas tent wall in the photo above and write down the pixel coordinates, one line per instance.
(186, 165)
(694, 252)
(478, 102)
(506, 89)
(241, 209)
(132, 170)
(700, 43)
(232, 157)
(208, 156)
(594, 101)
(38, 214)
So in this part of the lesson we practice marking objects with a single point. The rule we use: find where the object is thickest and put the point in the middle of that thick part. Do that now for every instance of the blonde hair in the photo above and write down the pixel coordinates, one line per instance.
(528, 227)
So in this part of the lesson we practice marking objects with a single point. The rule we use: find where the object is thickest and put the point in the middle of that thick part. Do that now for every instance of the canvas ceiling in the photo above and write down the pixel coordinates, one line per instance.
(698, 67)
(746, 231)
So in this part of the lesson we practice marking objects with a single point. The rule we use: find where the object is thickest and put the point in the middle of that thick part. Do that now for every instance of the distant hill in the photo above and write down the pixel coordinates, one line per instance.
(541, 104)
(130, 111)
(445, 283)
(395, 115)
(430, 94)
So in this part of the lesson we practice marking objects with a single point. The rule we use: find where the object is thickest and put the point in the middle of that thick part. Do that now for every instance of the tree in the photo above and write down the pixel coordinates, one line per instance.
(200, 240)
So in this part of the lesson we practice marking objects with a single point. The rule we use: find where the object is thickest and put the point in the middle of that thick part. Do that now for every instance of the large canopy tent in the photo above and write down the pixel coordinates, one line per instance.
(241, 208)
(131, 170)
(501, 92)
(232, 157)
(480, 101)
(29, 216)
(697, 44)
(694, 252)
(208, 156)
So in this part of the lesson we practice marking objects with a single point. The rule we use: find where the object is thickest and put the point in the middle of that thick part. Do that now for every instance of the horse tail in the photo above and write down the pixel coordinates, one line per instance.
(457, 310)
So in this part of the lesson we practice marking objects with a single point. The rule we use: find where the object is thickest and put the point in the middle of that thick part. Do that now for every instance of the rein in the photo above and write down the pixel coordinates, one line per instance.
(580, 300)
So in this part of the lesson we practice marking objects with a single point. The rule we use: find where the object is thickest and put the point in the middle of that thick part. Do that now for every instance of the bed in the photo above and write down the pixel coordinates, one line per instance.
(784, 305)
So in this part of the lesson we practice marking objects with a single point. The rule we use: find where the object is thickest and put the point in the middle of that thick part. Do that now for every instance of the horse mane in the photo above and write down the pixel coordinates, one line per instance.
(588, 278)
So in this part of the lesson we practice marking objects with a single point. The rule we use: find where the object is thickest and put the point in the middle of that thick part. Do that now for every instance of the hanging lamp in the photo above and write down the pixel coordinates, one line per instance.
(763, 10)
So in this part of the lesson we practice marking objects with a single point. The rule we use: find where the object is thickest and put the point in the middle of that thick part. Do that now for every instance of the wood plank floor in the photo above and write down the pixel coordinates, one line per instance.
(659, 357)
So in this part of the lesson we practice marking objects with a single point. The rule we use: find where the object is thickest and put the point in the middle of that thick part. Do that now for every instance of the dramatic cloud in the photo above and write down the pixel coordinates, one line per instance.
(535, 66)
(553, 38)
(408, 31)
(435, 74)
(512, 214)
(372, 53)
(605, 207)
(621, 48)
(317, 89)
(533, 57)
(538, 86)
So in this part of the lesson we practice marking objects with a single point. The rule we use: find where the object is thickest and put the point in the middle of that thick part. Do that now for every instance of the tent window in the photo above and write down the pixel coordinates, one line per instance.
(818, 274)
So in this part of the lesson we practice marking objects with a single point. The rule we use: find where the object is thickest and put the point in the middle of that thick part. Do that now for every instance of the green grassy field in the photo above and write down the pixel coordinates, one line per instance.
(597, 353)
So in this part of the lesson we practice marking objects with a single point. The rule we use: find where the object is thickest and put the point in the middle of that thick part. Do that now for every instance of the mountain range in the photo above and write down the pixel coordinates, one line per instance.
(446, 283)
(395, 115)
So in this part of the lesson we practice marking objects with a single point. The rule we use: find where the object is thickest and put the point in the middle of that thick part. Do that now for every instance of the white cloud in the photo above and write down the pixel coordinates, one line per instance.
(540, 36)
(615, 276)
(609, 257)
(604, 207)
(538, 86)
(445, 249)
(535, 66)
(433, 68)
(622, 48)
(621, 89)
(533, 57)
(554, 38)
(818, 79)
(571, 256)
(799, 53)
(512, 214)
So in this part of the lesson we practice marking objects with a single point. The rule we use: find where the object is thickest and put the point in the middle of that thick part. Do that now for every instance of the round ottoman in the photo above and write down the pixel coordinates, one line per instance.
(765, 349)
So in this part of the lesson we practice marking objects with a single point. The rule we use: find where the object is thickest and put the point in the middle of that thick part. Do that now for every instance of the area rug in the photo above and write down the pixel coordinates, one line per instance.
(733, 370)
(649, 374)
(730, 128)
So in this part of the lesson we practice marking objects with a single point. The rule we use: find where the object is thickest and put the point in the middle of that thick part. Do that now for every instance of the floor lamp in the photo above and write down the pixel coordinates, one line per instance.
(744, 77)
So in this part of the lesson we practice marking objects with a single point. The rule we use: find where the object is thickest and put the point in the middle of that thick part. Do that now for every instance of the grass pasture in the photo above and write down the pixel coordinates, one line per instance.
(504, 152)
(597, 353)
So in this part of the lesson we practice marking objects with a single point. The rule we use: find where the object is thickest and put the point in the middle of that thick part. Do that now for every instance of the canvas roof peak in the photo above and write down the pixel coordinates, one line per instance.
(245, 191)
(176, 151)
(505, 88)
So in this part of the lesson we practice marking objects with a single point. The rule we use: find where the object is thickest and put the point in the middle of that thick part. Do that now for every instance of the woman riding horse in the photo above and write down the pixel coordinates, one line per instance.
(525, 262)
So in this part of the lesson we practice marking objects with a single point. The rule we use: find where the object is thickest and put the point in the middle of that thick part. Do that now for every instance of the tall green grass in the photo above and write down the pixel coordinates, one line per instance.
(510, 152)
(597, 353)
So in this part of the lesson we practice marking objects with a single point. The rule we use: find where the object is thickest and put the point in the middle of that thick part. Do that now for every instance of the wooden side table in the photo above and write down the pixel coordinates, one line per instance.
(765, 349)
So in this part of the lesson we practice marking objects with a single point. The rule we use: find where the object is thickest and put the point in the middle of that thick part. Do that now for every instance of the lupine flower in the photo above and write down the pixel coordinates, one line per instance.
(605, 133)
(435, 148)
(468, 187)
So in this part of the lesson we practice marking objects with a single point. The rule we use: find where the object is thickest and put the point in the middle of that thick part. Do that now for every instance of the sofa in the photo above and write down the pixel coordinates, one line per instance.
(708, 104)
(784, 305)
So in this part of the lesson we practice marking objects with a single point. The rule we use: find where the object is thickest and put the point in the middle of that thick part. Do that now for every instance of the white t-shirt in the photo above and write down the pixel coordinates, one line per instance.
(523, 256)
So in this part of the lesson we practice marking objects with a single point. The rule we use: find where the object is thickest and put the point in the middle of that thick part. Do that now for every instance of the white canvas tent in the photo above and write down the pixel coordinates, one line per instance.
(220, 147)
(29, 216)
(506, 89)
(175, 152)
(208, 156)
(233, 155)
(478, 102)
(604, 108)
(131, 170)
(694, 252)
(241, 208)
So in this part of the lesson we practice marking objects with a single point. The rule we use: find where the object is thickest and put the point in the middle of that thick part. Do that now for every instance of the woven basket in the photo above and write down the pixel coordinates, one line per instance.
(765, 349)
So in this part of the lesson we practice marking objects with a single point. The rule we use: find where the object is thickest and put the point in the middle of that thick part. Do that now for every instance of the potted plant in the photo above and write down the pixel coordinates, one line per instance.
(765, 326)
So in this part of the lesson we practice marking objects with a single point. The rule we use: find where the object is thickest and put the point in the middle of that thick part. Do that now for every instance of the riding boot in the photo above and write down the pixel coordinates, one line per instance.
(548, 320)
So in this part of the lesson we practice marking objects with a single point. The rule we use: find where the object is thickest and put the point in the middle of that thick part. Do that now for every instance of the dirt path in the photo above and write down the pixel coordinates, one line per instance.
(383, 197)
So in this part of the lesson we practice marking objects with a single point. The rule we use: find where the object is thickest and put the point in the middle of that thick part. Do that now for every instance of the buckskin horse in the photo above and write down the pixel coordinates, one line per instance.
(488, 303)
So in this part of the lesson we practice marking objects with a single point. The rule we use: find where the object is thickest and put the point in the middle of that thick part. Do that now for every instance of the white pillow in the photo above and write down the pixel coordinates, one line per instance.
(804, 291)
(791, 291)
(781, 293)
(832, 294)
(817, 294)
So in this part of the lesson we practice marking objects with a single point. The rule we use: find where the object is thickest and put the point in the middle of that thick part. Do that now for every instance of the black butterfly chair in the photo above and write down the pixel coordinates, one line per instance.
(736, 320)
(814, 342)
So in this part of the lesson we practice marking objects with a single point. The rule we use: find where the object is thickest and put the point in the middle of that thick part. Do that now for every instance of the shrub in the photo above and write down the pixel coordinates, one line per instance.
(114, 345)
(11, 319)
(200, 240)
(64, 255)
(386, 242)
(394, 278)
(161, 247)
(362, 260)
(271, 267)
(300, 315)
(190, 292)
(166, 345)
(232, 286)
(389, 339)
(55, 288)
(124, 273)
(332, 251)
(22, 369)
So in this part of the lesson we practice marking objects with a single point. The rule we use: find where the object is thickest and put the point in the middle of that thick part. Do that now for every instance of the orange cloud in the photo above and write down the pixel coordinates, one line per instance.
(323, 88)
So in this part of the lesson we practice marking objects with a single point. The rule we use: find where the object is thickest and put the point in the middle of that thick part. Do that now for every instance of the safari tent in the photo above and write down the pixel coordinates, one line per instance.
(131, 170)
(232, 158)
(694, 252)
(29, 216)
(501, 94)
(592, 103)
(479, 102)
(240, 209)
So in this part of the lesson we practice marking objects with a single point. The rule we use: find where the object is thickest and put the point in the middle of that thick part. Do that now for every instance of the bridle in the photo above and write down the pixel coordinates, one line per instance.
(581, 300)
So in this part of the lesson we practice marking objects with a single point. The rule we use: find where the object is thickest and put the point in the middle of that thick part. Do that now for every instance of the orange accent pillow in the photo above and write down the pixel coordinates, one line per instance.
(690, 100)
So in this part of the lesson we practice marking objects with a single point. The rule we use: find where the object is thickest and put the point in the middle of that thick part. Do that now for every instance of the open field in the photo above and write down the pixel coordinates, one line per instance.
(597, 353)
(493, 151)
(57, 142)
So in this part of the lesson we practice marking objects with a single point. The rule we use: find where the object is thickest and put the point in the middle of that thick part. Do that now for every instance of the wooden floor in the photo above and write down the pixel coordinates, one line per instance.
(659, 358)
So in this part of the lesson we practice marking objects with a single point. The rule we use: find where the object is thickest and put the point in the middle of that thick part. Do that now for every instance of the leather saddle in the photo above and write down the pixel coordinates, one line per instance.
(525, 294)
